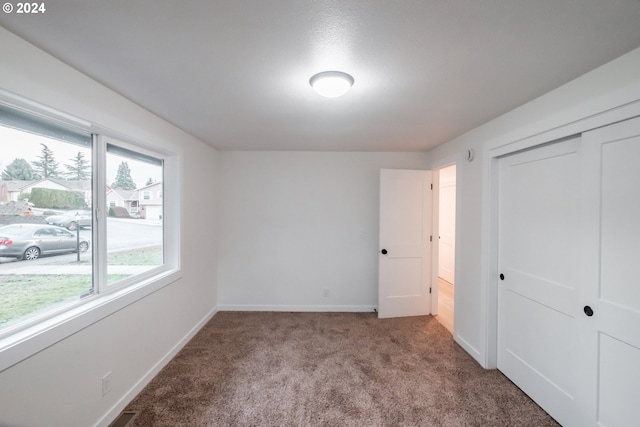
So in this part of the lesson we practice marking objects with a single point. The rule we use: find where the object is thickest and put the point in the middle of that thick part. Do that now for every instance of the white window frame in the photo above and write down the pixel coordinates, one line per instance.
(36, 333)
(101, 248)
(146, 195)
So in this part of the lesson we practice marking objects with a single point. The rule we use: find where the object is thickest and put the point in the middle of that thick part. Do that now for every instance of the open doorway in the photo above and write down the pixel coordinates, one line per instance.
(446, 245)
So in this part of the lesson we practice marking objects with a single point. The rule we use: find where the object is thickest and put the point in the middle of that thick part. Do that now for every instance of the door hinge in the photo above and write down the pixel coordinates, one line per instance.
(431, 238)
(432, 186)
(429, 290)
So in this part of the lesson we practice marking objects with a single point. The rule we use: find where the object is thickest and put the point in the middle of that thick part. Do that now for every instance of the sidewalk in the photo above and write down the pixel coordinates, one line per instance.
(139, 221)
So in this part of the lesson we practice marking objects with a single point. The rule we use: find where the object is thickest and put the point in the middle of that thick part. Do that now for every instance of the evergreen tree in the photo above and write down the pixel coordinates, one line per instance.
(79, 170)
(150, 181)
(19, 169)
(123, 178)
(47, 167)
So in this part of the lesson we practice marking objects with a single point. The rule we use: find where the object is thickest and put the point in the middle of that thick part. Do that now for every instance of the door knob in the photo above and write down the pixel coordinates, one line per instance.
(384, 252)
(501, 276)
(588, 311)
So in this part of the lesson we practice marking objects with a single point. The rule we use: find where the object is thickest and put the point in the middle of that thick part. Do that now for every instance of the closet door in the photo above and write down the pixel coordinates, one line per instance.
(569, 253)
(539, 289)
(612, 301)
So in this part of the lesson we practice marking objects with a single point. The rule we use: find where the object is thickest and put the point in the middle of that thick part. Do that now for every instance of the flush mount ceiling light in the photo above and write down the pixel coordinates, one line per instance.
(331, 84)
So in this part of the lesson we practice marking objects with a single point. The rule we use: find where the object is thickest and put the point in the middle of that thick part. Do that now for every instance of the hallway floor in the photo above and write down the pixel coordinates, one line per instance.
(445, 304)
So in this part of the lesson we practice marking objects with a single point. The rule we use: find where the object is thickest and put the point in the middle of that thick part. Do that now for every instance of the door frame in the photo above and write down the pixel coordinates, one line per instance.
(435, 249)
(435, 213)
(491, 154)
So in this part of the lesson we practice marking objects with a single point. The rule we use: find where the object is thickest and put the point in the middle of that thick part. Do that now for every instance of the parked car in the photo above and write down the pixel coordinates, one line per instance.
(71, 219)
(29, 241)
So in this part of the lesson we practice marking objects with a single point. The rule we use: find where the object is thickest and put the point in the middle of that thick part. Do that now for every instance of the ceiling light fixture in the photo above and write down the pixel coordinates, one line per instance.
(331, 84)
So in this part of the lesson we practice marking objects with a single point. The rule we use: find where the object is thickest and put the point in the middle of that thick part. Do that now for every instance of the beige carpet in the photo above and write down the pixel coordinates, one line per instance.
(329, 369)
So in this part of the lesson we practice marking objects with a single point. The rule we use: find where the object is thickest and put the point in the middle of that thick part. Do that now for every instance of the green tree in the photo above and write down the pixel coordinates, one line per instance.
(47, 167)
(123, 178)
(150, 181)
(19, 169)
(79, 169)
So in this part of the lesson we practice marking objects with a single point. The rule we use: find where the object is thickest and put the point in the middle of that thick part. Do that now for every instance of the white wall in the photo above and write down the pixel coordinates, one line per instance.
(607, 94)
(293, 224)
(61, 385)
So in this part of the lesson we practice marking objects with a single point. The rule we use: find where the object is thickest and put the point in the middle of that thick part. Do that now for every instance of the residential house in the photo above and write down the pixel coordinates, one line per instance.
(287, 185)
(150, 201)
(144, 202)
(127, 199)
(13, 189)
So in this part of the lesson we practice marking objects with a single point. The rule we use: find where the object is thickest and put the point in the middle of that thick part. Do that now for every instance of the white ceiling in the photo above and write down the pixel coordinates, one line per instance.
(235, 73)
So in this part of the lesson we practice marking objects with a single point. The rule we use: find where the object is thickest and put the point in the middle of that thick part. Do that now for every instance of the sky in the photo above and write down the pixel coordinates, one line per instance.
(18, 144)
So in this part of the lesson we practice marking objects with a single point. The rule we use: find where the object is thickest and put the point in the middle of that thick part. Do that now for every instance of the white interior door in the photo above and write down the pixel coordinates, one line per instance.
(447, 224)
(613, 329)
(405, 243)
(539, 257)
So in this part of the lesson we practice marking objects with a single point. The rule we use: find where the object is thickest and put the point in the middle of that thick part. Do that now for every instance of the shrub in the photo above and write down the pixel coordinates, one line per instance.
(56, 199)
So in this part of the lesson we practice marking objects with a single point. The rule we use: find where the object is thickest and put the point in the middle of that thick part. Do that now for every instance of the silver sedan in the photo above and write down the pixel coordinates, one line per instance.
(29, 241)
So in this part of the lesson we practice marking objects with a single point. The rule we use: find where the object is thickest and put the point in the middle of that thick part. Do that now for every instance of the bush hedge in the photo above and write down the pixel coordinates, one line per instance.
(56, 199)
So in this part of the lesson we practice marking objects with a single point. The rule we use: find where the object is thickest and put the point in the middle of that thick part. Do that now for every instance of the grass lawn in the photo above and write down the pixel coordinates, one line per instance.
(23, 295)
(151, 255)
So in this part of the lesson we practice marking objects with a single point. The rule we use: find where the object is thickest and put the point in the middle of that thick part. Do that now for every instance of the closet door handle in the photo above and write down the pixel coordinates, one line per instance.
(588, 311)
(383, 252)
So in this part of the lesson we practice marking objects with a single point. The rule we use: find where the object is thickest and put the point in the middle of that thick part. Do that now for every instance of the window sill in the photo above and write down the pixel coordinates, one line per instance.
(25, 343)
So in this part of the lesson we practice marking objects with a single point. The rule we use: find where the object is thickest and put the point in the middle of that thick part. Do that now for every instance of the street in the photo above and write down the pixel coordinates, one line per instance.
(130, 234)
(122, 234)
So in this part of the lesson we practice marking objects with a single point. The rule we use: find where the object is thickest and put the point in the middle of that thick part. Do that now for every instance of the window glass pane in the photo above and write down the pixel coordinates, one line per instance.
(135, 217)
(45, 216)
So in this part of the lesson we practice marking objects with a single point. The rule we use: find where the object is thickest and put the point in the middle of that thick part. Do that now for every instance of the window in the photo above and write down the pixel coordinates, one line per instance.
(134, 243)
(46, 168)
(146, 195)
(56, 179)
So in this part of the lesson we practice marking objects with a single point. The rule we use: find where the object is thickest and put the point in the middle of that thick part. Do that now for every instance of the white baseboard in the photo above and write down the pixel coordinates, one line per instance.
(473, 352)
(300, 308)
(121, 404)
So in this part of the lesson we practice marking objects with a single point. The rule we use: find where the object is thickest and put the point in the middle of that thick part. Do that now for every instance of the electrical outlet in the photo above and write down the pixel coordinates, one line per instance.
(325, 293)
(106, 383)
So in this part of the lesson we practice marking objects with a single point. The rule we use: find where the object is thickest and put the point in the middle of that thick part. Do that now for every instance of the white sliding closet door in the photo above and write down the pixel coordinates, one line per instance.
(569, 290)
(538, 296)
(613, 296)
